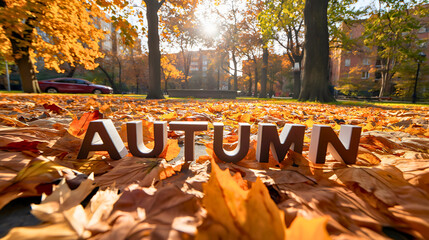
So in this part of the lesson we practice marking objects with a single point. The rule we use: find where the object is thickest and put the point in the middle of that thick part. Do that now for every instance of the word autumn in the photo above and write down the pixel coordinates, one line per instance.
(102, 136)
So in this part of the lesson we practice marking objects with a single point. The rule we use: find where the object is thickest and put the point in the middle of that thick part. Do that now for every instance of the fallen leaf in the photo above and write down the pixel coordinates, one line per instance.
(78, 127)
(54, 108)
(144, 171)
(235, 213)
(38, 171)
(302, 228)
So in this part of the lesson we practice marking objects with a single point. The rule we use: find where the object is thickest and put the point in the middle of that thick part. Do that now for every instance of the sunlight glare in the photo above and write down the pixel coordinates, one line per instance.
(209, 28)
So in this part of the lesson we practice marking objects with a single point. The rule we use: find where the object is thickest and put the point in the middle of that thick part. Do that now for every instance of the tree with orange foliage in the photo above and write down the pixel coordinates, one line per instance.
(251, 39)
(169, 70)
(58, 31)
(182, 31)
(152, 8)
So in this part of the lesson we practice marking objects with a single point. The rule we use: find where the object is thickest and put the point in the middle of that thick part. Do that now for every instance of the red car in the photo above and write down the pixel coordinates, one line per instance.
(72, 85)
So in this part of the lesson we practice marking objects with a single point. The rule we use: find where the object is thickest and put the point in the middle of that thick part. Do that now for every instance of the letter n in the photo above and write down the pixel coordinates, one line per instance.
(344, 148)
(102, 136)
(268, 138)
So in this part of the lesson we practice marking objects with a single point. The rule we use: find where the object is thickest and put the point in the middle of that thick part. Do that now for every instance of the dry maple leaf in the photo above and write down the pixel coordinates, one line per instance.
(64, 217)
(302, 228)
(144, 171)
(54, 108)
(235, 213)
(350, 216)
(23, 146)
(171, 151)
(5, 120)
(385, 187)
(29, 180)
(164, 213)
(79, 126)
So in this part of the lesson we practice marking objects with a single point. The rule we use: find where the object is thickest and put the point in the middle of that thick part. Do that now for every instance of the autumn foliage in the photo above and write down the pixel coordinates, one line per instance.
(383, 195)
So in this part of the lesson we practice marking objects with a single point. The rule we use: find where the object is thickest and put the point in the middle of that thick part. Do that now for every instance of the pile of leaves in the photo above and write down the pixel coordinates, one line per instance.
(385, 194)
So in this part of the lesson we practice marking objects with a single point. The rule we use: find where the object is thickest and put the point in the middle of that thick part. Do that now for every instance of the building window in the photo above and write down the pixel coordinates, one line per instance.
(422, 30)
(365, 61)
(347, 62)
(377, 75)
(365, 75)
(378, 63)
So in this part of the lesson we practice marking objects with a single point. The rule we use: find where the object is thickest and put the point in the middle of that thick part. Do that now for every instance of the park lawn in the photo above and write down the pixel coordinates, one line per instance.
(384, 194)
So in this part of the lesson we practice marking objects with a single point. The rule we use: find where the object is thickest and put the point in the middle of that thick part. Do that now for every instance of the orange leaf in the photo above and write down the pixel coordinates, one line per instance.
(78, 127)
(237, 213)
(302, 228)
(170, 152)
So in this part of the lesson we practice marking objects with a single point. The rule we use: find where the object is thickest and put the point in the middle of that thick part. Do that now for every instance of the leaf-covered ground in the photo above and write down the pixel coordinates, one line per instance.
(384, 195)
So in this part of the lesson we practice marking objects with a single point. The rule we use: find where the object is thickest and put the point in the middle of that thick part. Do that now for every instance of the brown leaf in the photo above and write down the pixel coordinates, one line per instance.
(38, 171)
(159, 214)
(54, 108)
(144, 171)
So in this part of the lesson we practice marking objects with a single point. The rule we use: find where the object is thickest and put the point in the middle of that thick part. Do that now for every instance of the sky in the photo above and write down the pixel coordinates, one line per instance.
(209, 22)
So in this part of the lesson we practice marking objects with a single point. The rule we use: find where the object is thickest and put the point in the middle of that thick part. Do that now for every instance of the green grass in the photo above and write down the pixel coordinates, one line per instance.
(4, 91)
(274, 100)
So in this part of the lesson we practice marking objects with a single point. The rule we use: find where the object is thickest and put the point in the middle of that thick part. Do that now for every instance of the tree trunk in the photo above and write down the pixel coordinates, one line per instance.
(386, 79)
(109, 78)
(155, 92)
(71, 71)
(249, 91)
(315, 77)
(187, 59)
(296, 83)
(21, 54)
(297, 76)
(255, 94)
(27, 74)
(119, 74)
(264, 78)
(234, 61)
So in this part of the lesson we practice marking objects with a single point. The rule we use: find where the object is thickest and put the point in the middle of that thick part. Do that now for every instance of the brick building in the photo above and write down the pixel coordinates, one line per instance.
(207, 69)
(360, 68)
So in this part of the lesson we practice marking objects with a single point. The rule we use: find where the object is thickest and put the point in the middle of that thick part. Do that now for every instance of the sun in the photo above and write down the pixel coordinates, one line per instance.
(210, 29)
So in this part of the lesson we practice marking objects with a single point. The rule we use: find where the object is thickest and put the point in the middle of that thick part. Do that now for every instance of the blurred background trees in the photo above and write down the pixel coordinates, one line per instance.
(252, 46)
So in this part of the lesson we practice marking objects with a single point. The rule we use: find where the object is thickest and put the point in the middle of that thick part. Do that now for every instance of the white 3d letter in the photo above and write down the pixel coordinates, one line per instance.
(268, 138)
(323, 139)
(135, 139)
(102, 136)
(242, 148)
(190, 128)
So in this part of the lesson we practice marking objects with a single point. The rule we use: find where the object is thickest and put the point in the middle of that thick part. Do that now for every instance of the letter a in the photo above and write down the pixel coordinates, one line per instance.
(135, 139)
(102, 136)
(268, 138)
(345, 148)
(242, 148)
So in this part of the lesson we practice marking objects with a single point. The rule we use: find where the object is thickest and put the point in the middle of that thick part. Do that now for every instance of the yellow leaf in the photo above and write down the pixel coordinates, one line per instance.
(169, 116)
(236, 213)
(314, 229)
(40, 169)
